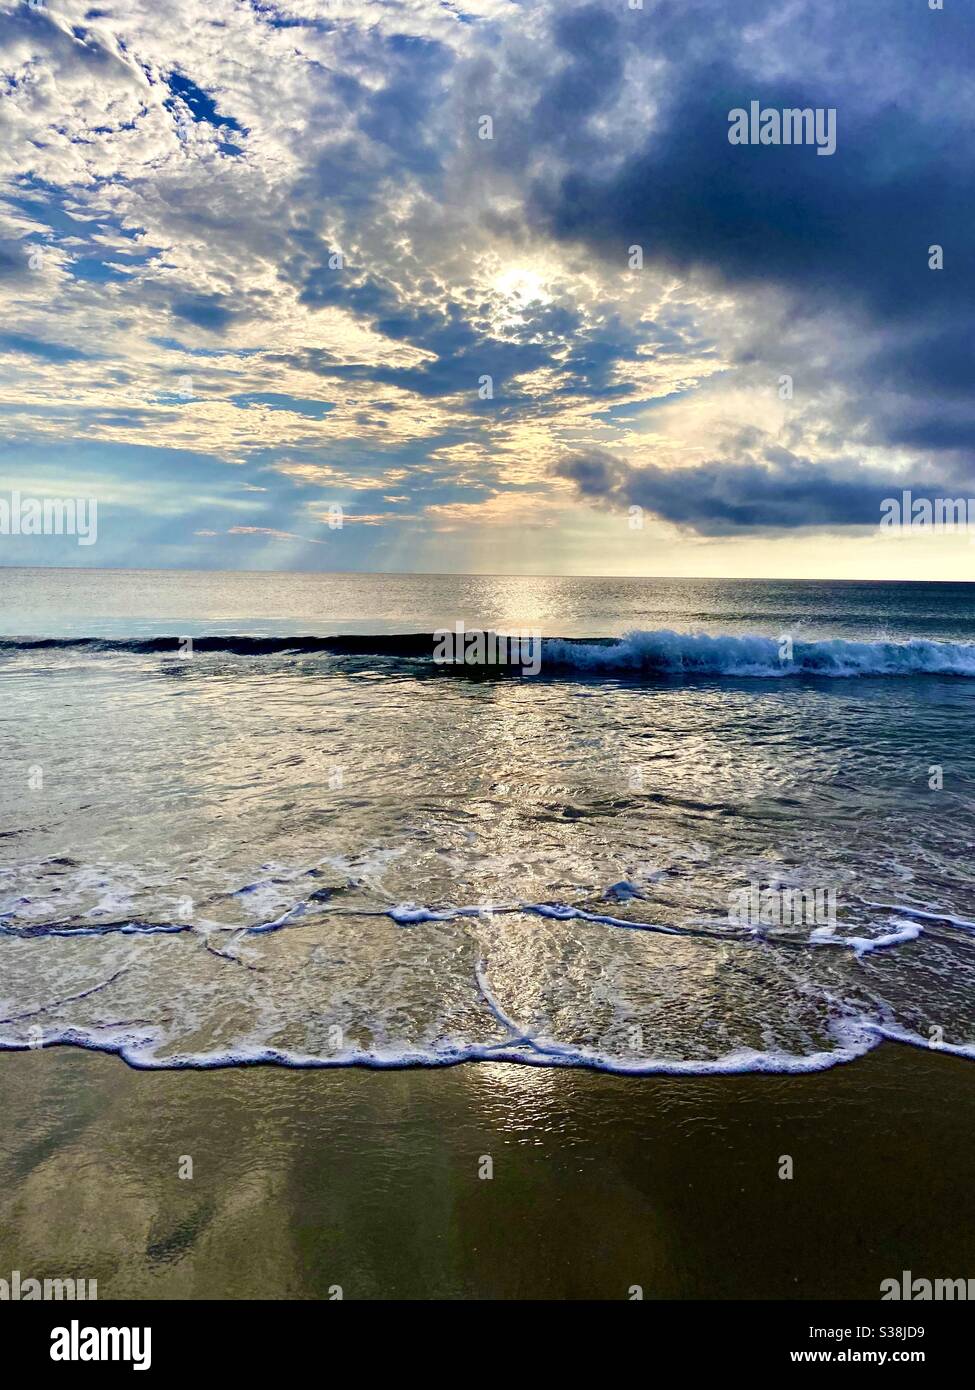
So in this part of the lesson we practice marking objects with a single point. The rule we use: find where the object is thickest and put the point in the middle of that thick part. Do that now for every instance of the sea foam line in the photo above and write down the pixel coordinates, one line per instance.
(855, 1038)
(412, 915)
(926, 916)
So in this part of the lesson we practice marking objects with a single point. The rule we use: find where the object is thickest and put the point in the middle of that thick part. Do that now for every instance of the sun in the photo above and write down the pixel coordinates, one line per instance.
(512, 291)
(522, 284)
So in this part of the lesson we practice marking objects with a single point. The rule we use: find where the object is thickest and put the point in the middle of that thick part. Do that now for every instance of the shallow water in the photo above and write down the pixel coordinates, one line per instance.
(324, 858)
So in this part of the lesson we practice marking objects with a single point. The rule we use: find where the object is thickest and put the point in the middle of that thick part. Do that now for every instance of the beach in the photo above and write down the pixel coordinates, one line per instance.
(325, 969)
(487, 672)
(368, 1181)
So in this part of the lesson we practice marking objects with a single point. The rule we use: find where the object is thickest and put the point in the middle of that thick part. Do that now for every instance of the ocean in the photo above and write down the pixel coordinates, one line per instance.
(726, 828)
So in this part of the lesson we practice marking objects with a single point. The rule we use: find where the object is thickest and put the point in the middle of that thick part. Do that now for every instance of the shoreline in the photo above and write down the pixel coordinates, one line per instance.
(373, 1181)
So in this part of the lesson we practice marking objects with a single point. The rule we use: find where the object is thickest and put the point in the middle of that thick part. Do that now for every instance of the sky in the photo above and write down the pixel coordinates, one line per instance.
(486, 287)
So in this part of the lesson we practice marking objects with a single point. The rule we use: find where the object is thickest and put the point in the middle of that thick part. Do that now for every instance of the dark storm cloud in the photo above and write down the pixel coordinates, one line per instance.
(855, 224)
(779, 492)
(846, 233)
(935, 432)
(589, 40)
(397, 114)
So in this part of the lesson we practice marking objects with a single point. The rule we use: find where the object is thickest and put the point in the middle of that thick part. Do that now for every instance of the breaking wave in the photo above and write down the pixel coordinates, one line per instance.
(660, 651)
(700, 654)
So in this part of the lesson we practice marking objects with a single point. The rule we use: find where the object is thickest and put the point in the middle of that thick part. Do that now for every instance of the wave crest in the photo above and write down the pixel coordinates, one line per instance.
(686, 653)
(659, 651)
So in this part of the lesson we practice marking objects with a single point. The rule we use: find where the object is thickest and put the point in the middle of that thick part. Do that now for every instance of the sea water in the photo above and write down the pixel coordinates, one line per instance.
(249, 818)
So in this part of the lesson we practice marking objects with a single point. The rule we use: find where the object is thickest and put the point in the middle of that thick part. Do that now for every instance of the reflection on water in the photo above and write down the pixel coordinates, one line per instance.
(309, 860)
(369, 1181)
(112, 603)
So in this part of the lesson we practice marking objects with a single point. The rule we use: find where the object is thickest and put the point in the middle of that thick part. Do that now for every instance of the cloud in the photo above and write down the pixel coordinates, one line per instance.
(528, 510)
(176, 182)
(264, 531)
(781, 492)
(851, 233)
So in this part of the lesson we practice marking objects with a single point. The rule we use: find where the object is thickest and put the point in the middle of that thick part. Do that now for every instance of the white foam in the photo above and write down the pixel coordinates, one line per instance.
(698, 653)
(863, 945)
(854, 1038)
(926, 915)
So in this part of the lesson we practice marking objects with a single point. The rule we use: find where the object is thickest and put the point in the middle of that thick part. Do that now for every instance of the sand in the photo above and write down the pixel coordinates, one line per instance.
(307, 1183)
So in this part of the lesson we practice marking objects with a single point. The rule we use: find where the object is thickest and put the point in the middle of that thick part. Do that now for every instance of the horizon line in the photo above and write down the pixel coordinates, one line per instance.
(479, 574)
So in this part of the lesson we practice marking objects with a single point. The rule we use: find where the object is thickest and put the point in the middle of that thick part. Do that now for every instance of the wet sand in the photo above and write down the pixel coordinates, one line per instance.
(303, 1181)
